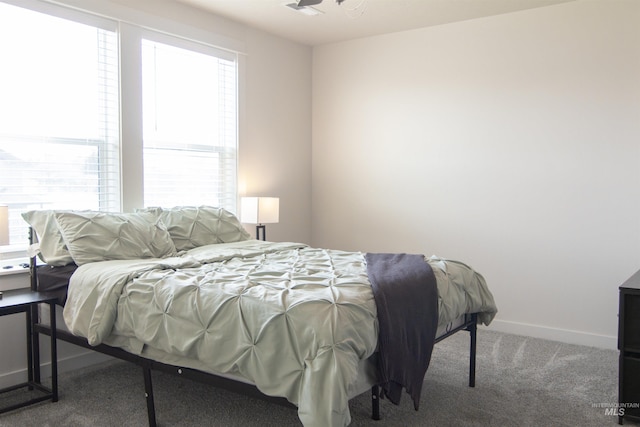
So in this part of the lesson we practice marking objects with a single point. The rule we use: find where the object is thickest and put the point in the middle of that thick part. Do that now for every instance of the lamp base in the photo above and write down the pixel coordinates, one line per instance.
(264, 231)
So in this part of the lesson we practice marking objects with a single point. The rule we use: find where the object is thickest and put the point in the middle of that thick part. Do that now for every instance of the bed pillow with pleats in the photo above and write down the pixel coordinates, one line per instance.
(53, 250)
(102, 236)
(191, 227)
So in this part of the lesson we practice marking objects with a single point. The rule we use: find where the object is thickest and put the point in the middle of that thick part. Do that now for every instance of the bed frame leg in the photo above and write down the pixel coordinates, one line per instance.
(148, 394)
(375, 403)
(473, 329)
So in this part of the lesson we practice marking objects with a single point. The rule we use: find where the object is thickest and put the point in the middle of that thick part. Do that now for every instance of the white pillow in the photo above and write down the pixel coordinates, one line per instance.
(53, 250)
(191, 227)
(101, 236)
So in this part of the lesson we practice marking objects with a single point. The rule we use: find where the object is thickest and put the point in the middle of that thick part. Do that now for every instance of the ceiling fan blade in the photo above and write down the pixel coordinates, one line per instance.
(303, 3)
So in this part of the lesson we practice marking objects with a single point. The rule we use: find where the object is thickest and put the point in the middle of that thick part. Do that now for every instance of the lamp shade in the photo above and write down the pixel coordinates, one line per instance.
(4, 225)
(259, 210)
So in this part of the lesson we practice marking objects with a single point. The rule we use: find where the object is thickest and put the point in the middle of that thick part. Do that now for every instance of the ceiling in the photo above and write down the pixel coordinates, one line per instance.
(357, 18)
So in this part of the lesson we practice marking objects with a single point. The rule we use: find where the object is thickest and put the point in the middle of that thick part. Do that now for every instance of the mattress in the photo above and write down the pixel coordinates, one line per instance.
(56, 279)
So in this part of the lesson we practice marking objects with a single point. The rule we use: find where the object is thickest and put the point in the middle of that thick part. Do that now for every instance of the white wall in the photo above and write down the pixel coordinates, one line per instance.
(275, 133)
(511, 143)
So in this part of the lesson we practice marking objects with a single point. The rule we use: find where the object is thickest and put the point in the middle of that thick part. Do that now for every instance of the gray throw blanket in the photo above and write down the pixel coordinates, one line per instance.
(406, 296)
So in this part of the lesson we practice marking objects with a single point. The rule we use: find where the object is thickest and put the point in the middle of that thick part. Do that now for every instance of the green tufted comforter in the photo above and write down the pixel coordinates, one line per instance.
(297, 322)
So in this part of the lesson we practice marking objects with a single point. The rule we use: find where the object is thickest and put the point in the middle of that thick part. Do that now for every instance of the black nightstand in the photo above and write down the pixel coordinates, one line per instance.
(26, 301)
(629, 346)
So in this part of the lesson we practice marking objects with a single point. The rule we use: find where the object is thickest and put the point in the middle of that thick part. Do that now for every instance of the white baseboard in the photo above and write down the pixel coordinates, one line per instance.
(67, 364)
(555, 334)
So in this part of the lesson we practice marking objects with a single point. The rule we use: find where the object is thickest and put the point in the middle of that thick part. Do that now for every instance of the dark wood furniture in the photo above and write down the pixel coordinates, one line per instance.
(26, 301)
(629, 346)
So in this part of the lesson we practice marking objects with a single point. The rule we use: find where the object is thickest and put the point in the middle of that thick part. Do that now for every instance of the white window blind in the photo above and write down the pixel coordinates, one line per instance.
(59, 132)
(189, 124)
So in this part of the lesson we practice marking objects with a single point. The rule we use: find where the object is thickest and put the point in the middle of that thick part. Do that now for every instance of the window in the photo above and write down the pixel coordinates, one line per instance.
(189, 125)
(59, 133)
(62, 115)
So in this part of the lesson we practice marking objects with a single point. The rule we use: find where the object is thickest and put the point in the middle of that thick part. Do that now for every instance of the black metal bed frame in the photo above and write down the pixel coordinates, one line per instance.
(470, 325)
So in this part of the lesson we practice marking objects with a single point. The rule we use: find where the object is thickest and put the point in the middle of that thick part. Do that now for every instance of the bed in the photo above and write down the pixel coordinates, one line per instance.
(186, 290)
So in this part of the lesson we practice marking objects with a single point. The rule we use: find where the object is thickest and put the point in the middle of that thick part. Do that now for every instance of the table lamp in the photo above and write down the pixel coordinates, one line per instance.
(260, 211)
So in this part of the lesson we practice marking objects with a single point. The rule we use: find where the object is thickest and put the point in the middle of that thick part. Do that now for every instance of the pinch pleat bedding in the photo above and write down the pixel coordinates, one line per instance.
(297, 322)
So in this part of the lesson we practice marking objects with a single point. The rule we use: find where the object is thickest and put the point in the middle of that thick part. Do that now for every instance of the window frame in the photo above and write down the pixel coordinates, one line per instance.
(223, 151)
(131, 26)
(114, 198)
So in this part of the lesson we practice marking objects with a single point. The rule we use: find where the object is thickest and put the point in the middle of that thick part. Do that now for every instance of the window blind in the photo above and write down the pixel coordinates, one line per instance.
(189, 125)
(59, 133)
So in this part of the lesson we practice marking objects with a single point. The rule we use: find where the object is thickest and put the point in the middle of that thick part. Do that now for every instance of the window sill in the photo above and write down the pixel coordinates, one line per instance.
(11, 267)
(16, 277)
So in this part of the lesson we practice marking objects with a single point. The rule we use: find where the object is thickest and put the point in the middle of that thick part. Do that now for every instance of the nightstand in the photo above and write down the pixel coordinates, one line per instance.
(629, 346)
(26, 301)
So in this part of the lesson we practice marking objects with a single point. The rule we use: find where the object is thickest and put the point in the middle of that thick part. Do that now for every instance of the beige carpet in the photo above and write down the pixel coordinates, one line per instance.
(520, 382)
